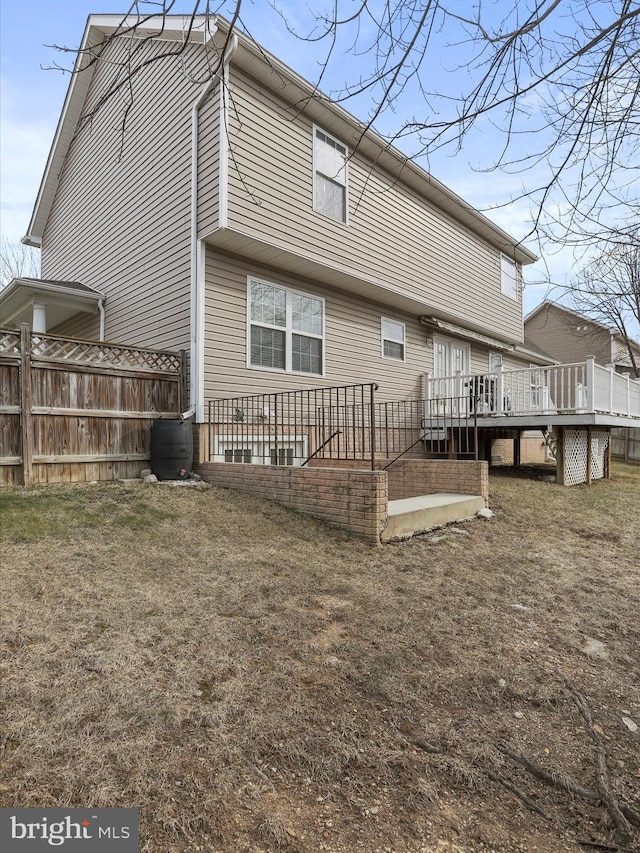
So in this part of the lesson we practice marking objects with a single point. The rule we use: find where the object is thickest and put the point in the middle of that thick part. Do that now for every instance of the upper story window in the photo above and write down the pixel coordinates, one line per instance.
(393, 339)
(286, 329)
(509, 276)
(329, 176)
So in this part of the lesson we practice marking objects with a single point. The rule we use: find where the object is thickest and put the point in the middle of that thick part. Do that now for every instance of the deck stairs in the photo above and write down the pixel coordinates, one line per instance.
(409, 516)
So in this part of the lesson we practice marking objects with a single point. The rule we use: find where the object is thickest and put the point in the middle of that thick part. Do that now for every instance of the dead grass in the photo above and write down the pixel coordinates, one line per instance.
(255, 681)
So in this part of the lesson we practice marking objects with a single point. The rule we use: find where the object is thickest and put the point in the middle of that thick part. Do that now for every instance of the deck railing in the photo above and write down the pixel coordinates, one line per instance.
(339, 423)
(583, 387)
(294, 427)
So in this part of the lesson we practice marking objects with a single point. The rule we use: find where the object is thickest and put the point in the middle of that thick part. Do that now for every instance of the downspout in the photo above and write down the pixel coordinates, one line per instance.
(197, 246)
(101, 312)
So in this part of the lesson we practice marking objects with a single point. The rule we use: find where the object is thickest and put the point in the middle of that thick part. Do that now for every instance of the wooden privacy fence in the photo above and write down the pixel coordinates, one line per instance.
(626, 443)
(76, 411)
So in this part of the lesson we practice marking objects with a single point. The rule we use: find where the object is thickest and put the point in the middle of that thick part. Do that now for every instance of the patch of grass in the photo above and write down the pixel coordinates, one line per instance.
(252, 679)
(44, 512)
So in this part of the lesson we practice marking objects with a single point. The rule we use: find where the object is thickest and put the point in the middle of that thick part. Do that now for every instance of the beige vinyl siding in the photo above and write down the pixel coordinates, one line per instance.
(82, 325)
(556, 332)
(394, 238)
(352, 339)
(208, 163)
(120, 219)
(514, 362)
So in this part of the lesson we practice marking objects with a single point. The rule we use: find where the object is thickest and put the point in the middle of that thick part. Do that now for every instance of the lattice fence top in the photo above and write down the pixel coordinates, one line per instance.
(103, 354)
(9, 342)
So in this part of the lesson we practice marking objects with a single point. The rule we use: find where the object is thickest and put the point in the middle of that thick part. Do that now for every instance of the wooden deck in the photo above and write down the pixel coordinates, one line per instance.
(580, 394)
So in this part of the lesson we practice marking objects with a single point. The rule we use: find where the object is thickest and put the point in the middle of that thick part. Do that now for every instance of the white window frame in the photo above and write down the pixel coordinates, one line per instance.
(386, 337)
(508, 277)
(333, 178)
(261, 447)
(287, 328)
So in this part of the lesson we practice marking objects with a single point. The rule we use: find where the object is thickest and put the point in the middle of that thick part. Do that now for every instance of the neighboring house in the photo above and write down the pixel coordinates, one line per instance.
(254, 223)
(569, 337)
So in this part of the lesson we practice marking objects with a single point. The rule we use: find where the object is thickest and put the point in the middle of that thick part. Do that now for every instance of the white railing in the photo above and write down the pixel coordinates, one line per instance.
(560, 389)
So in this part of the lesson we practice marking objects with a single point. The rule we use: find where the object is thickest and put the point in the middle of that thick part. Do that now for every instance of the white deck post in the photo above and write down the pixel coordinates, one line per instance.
(427, 390)
(456, 406)
(499, 401)
(627, 376)
(612, 369)
(590, 383)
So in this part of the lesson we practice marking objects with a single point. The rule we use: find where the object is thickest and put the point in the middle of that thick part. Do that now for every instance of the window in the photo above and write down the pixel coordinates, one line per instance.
(393, 336)
(509, 274)
(241, 454)
(262, 449)
(286, 329)
(329, 176)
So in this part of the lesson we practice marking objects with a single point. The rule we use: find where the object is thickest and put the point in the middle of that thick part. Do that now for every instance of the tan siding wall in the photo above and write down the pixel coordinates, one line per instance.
(394, 237)
(352, 339)
(555, 332)
(208, 163)
(120, 220)
(85, 326)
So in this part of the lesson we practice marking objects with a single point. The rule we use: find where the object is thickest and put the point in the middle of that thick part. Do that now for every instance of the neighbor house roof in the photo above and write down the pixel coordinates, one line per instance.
(549, 303)
(289, 85)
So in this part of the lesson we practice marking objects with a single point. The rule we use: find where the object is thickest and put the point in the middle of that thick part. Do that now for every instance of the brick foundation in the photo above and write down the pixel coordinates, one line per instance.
(354, 500)
(409, 478)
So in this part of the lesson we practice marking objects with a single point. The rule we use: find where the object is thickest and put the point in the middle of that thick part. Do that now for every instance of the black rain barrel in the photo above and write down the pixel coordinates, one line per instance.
(171, 448)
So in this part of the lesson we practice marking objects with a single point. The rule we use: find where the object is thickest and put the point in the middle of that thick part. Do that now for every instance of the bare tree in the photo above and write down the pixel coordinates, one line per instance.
(608, 291)
(557, 79)
(17, 261)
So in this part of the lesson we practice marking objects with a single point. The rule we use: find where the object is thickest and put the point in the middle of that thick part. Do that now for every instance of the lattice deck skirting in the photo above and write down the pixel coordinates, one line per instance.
(575, 455)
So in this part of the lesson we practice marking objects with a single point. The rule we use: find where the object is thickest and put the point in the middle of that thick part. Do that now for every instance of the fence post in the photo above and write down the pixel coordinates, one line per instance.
(25, 404)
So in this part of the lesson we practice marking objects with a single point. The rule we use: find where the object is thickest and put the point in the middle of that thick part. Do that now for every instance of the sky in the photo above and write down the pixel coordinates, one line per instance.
(33, 91)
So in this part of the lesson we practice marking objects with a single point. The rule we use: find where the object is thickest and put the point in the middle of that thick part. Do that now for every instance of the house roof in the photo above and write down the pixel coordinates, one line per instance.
(289, 85)
(62, 298)
(549, 303)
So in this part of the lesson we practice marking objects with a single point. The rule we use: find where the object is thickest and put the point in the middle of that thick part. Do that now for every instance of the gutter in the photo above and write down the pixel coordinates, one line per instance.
(101, 311)
(197, 246)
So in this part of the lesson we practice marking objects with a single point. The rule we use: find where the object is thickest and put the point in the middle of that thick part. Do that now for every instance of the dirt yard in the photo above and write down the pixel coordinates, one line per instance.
(255, 681)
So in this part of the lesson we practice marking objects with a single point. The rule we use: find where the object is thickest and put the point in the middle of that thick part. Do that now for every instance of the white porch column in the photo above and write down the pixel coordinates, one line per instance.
(39, 318)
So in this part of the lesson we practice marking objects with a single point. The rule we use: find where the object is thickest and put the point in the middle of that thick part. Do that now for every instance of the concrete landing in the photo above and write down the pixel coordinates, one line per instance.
(413, 515)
